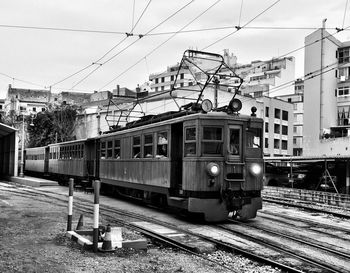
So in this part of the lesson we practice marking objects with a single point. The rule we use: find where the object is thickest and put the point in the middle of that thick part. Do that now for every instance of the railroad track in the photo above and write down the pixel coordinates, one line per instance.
(133, 220)
(304, 253)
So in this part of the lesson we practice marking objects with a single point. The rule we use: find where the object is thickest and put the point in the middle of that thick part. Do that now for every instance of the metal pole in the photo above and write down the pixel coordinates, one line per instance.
(347, 189)
(70, 204)
(96, 214)
(21, 174)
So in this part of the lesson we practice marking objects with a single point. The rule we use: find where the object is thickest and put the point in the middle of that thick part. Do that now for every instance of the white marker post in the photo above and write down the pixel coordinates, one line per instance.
(70, 204)
(96, 214)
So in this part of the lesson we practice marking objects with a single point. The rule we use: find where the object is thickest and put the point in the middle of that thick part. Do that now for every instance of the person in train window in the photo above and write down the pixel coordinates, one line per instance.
(162, 151)
(234, 144)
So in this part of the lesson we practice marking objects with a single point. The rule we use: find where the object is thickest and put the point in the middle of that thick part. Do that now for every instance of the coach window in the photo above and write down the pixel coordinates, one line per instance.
(162, 145)
(190, 141)
(254, 138)
(82, 151)
(148, 146)
(136, 147)
(103, 150)
(212, 141)
(109, 149)
(117, 148)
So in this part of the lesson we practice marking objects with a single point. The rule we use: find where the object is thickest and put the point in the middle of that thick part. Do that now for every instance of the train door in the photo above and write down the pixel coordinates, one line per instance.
(176, 155)
(91, 158)
(234, 164)
(46, 160)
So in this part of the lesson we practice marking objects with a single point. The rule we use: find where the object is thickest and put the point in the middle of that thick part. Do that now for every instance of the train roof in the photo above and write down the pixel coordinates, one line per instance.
(315, 158)
(68, 142)
(176, 117)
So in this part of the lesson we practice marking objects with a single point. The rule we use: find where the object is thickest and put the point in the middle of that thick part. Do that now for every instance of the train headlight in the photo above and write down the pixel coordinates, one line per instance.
(213, 169)
(255, 169)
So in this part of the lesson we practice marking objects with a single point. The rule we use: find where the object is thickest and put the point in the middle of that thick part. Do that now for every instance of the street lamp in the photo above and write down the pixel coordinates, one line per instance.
(21, 173)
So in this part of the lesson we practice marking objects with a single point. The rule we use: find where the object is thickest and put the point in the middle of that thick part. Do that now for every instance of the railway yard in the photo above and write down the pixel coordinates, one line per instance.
(280, 239)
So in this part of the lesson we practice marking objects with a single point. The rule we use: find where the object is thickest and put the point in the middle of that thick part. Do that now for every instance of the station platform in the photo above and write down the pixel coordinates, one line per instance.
(33, 181)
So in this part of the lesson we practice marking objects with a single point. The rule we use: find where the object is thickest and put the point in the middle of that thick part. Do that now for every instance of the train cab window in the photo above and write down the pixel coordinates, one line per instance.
(148, 146)
(109, 149)
(117, 148)
(254, 138)
(136, 147)
(212, 140)
(103, 150)
(234, 143)
(162, 145)
(190, 141)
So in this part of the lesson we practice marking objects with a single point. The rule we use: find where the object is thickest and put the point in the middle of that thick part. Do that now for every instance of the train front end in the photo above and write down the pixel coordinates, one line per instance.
(223, 166)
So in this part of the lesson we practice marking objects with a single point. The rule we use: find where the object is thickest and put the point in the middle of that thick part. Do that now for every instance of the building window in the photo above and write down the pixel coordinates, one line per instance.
(294, 140)
(156, 80)
(284, 130)
(171, 77)
(284, 145)
(266, 127)
(277, 129)
(163, 79)
(266, 143)
(284, 115)
(156, 89)
(43, 109)
(277, 113)
(276, 143)
(34, 109)
(289, 100)
(343, 91)
(343, 55)
(182, 76)
(267, 109)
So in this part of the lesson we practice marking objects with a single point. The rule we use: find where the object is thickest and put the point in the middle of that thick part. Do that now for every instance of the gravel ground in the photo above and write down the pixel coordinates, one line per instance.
(33, 239)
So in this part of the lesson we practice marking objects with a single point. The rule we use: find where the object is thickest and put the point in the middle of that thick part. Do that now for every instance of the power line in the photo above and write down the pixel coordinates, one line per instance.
(19, 80)
(240, 27)
(125, 48)
(156, 48)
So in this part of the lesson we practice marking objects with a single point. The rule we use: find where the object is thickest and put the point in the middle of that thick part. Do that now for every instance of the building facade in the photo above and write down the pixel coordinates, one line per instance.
(326, 96)
(297, 99)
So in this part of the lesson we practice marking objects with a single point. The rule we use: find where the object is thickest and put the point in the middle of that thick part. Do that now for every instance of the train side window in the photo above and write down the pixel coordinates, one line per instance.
(136, 147)
(148, 146)
(103, 150)
(162, 145)
(117, 148)
(253, 138)
(190, 141)
(109, 149)
(82, 151)
(234, 144)
(212, 140)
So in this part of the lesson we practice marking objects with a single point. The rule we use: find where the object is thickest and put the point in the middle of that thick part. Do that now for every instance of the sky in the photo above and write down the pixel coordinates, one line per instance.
(90, 45)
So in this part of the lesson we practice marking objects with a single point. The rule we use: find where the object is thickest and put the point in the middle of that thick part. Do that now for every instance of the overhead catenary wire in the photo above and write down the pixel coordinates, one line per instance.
(128, 46)
(240, 27)
(156, 48)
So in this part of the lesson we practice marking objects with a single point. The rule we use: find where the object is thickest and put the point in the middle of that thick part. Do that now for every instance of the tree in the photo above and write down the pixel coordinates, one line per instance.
(57, 124)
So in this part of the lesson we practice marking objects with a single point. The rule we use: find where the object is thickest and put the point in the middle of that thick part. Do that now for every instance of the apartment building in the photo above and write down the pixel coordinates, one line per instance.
(297, 99)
